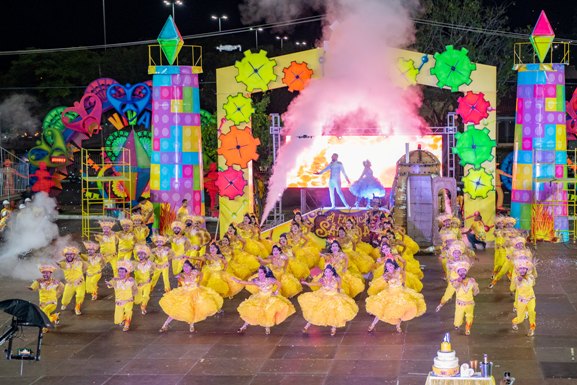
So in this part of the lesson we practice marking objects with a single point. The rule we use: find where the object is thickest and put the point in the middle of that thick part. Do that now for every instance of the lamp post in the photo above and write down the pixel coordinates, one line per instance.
(219, 18)
(172, 3)
(256, 31)
(301, 43)
(104, 21)
(282, 39)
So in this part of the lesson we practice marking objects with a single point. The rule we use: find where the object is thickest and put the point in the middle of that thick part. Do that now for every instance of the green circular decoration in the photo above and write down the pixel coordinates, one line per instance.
(478, 183)
(255, 70)
(474, 146)
(238, 108)
(53, 118)
(453, 68)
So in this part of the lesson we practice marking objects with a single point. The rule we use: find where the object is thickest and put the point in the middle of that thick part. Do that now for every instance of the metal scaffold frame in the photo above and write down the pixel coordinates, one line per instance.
(99, 174)
(449, 160)
(276, 216)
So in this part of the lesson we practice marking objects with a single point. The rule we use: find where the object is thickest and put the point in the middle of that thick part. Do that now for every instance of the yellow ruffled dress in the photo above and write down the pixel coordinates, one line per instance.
(296, 266)
(265, 308)
(363, 262)
(216, 278)
(190, 302)
(356, 235)
(242, 263)
(327, 306)
(290, 285)
(352, 283)
(308, 254)
(378, 283)
(411, 247)
(251, 245)
(396, 303)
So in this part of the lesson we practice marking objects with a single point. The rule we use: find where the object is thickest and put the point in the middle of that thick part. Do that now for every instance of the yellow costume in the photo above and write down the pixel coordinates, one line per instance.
(74, 277)
(180, 247)
(363, 262)
(108, 244)
(524, 295)
(265, 308)
(290, 285)
(49, 290)
(126, 240)
(190, 302)
(328, 306)
(251, 243)
(379, 283)
(141, 231)
(243, 263)
(351, 283)
(143, 271)
(396, 303)
(182, 213)
(124, 293)
(161, 257)
(303, 249)
(356, 235)
(216, 278)
(94, 265)
(464, 291)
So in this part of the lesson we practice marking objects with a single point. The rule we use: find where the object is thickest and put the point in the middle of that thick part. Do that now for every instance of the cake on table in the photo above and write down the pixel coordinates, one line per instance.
(446, 364)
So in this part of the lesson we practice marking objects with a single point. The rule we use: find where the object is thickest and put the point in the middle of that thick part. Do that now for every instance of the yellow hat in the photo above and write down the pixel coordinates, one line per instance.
(515, 240)
(444, 217)
(522, 254)
(107, 223)
(455, 221)
(124, 264)
(524, 263)
(136, 217)
(197, 219)
(510, 220)
(158, 237)
(187, 218)
(499, 220)
(176, 224)
(70, 250)
(142, 248)
(461, 265)
(90, 245)
(50, 268)
(458, 245)
(126, 221)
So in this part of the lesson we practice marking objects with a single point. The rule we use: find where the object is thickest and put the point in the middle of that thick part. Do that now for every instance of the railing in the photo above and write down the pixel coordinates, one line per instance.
(14, 174)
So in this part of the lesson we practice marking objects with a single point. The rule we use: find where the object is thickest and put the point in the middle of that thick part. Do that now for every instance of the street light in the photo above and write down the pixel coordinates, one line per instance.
(219, 18)
(301, 43)
(172, 3)
(256, 31)
(104, 21)
(282, 39)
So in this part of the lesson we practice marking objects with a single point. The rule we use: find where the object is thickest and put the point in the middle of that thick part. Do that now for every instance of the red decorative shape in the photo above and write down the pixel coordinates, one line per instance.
(231, 183)
(297, 76)
(543, 27)
(473, 107)
(238, 147)
(89, 110)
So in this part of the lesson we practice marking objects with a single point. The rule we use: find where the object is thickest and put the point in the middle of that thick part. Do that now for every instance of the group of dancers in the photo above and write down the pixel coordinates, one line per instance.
(512, 259)
(209, 272)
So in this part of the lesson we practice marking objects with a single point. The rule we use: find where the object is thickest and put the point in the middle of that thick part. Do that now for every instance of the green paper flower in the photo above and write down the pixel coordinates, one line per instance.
(474, 146)
(255, 70)
(453, 68)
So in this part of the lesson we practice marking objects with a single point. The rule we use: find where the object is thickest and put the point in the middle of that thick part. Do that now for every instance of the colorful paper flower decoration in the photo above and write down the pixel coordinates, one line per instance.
(238, 147)
(453, 68)
(231, 183)
(408, 69)
(478, 183)
(255, 70)
(297, 76)
(238, 108)
(473, 107)
(53, 118)
(474, 146)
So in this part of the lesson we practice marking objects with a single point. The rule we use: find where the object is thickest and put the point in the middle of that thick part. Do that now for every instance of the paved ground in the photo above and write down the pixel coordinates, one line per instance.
(90, 350)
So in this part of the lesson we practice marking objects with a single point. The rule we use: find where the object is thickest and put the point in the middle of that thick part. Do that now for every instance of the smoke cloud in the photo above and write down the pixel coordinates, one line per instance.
(16, 117)
(31, 238)
(357, 90)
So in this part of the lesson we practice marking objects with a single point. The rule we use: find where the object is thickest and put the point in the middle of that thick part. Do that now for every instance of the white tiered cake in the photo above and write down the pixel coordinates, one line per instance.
(446, 363)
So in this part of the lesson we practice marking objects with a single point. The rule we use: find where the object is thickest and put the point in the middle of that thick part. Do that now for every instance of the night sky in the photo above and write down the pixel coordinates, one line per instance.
(64, 23)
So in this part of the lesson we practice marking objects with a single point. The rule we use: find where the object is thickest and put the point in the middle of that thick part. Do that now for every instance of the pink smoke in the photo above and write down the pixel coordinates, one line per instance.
(357, 91)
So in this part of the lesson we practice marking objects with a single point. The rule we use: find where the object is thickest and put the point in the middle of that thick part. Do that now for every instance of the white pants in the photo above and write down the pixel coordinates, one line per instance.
(334, 185)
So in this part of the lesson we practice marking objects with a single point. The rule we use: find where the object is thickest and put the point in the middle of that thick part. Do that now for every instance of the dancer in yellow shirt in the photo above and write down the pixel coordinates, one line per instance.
(182, 211)
(140, 230)
(125, 240)
(465, 289)
(162, 256)
(49, 290)
(143, 271)
(125, 290)
(524, 294)
(94, 265)
(108, 242)
(180, 246)
(73, 269)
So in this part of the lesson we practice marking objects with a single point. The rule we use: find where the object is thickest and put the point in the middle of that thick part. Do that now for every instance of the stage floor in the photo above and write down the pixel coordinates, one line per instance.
(90, 350)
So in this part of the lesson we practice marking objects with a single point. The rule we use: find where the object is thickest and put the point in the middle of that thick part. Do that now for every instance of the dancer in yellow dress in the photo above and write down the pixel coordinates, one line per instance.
(266, 308)
(524, 294)
(94, 265)
(108, 241)
(215, 275)
(182, 211)
(465, 289)
(49, 290)
(126, 240)
(198, 237)
(306, 228)
(328, 306)
(162, 254)
(180, 246)
(396, 303)
(515, 244)
(356, 234)
(379, 283)
(125, 290)
(408, 248)
(277, 262)
(363, 262)
(73, 268)
(303, 248)
(500, 252)
(296, 266)
(247, 232)
(249, 262)
(140, 230)
(189, 302)
(351, 281)
(143, 271)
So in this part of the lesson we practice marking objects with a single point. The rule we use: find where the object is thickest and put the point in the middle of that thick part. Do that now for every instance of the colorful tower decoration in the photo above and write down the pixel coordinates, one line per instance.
(176, 162)
(539, 197)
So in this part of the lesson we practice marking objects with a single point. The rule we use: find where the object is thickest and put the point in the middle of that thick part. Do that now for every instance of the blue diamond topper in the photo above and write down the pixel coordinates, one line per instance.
(170, 40)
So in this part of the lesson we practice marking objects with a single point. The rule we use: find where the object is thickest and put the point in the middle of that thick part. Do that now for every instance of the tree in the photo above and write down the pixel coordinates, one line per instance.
(261, 129)
(488, 48)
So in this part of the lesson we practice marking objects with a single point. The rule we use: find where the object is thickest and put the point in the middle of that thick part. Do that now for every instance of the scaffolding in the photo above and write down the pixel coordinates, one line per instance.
(553, 198)
(276, 216)
(106, 187)
(448, 132)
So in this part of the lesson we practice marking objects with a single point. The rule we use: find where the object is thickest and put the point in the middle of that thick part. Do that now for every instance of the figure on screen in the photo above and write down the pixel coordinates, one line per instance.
(367, 186)
(336, 168)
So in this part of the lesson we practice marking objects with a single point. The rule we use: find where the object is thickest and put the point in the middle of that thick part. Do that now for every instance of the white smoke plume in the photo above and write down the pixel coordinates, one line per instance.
(16, 116)
(358, 81)
(31, 238)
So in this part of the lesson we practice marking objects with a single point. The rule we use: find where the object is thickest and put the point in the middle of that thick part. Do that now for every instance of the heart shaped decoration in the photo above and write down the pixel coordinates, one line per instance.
(129, 100)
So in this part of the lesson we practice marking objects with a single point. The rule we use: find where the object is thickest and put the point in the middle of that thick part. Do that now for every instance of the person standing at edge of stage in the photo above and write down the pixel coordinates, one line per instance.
(336, 168)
